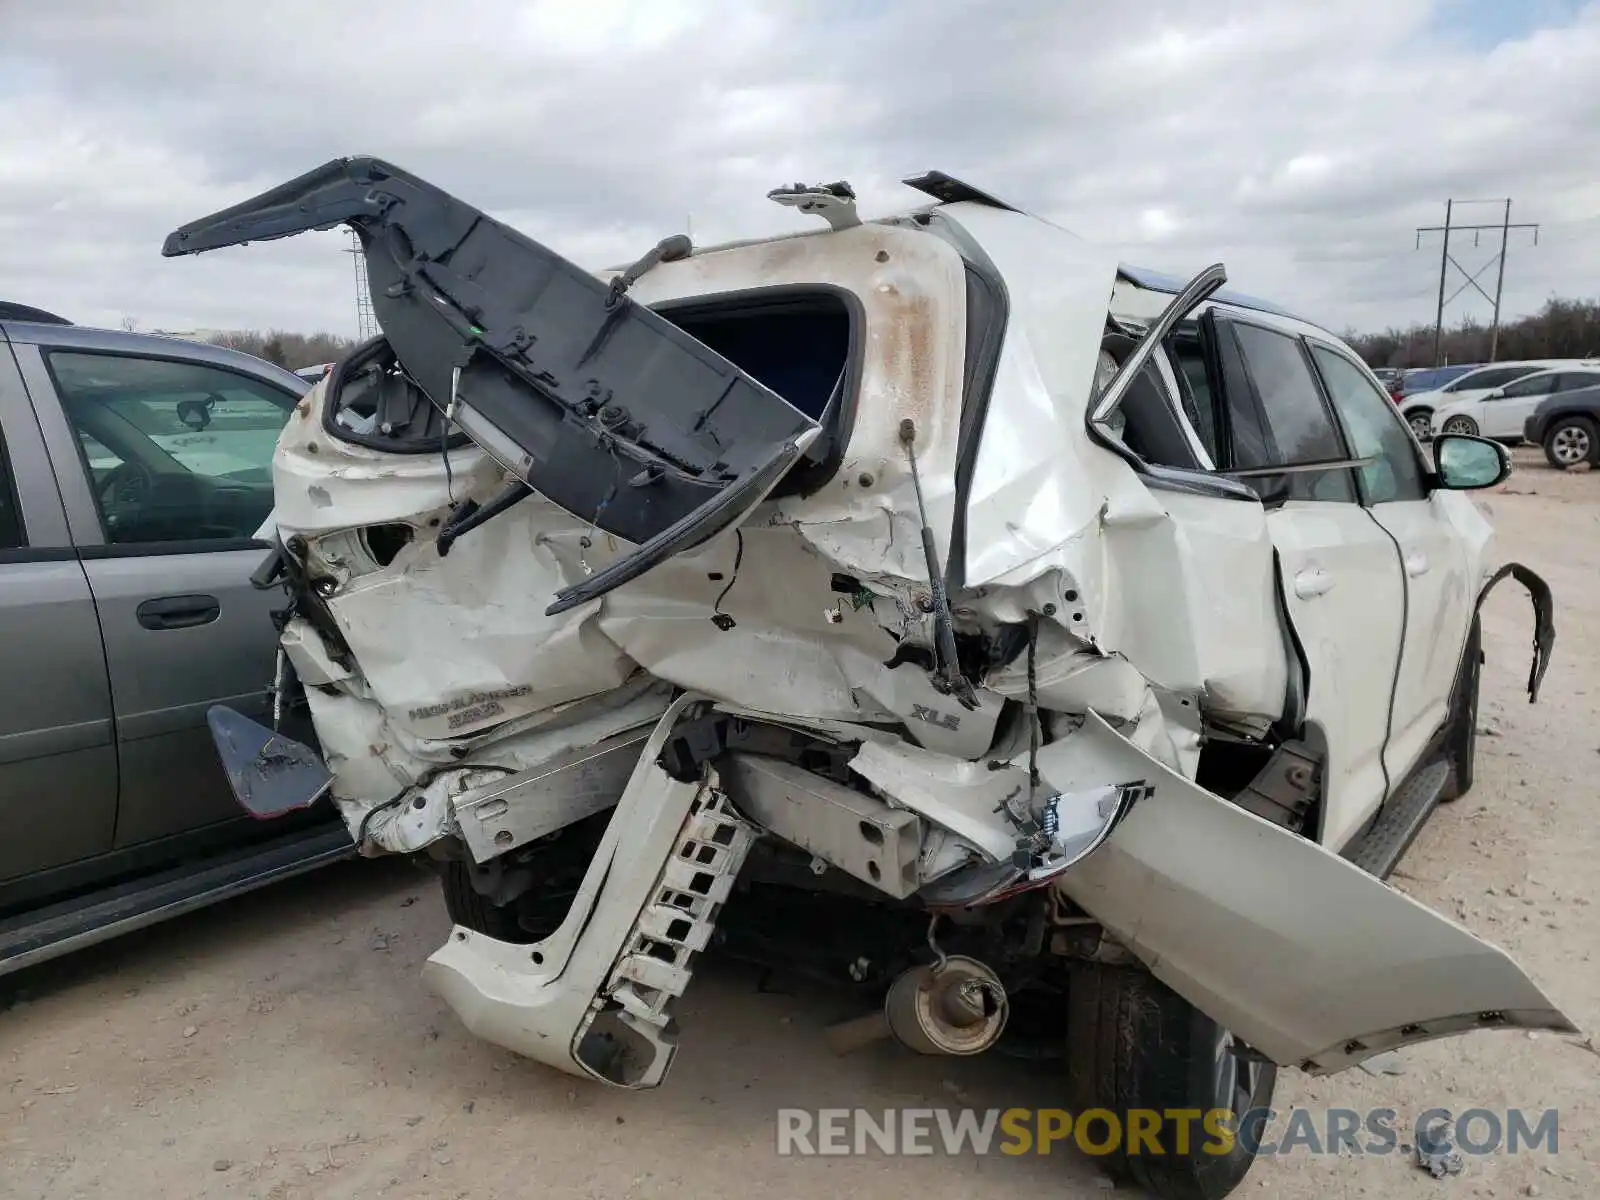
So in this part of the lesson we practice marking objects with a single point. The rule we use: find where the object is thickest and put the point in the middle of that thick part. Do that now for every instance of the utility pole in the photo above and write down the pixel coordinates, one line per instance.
(1500, 279)
(1446, 262)
(366, 322)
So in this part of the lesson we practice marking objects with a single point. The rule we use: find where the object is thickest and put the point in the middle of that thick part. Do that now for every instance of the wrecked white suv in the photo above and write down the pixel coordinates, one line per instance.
(1049, 650)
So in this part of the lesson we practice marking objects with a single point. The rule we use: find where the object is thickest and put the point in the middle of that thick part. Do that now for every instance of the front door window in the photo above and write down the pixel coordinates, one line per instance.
(174, 451)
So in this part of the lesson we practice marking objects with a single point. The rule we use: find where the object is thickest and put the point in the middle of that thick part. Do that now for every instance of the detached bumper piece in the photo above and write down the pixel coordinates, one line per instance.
(270, 774)
(597, 403)
(595, 998)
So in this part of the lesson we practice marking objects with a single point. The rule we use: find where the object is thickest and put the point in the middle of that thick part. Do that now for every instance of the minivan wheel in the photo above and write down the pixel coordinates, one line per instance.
(1134, 1045)
(1421, 422)
(1570, 441)
(1464, 425)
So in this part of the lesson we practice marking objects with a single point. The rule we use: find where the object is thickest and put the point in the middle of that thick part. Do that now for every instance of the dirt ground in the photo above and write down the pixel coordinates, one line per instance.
(282, 1045)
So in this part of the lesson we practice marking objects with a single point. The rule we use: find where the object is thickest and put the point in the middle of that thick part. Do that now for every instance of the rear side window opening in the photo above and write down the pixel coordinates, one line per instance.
(804, 344)
(372, 402)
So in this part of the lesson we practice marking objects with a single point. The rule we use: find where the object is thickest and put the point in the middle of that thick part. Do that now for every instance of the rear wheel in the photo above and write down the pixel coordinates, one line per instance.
(545, 876)
(1461, 746)
(476, 912)
(1570, 441)
(1139, 1050)
(1421, 422)
(1464, 425)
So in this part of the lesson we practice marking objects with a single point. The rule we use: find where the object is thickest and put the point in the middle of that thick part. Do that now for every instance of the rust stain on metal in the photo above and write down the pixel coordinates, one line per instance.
(906, 351)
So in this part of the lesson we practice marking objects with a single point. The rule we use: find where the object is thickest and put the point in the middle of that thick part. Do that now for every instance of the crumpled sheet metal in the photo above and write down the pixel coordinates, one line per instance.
(451, 647)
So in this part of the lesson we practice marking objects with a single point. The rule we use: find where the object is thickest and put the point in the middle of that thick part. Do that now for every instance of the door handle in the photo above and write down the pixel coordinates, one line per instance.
(1416, 564)
(178, 612)
(1312, 582)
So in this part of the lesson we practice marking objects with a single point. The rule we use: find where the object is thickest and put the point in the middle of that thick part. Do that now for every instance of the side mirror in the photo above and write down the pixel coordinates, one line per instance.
(1465, 463)
(1497, 394)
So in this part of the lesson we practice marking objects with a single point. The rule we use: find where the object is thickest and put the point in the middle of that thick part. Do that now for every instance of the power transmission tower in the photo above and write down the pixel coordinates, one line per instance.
(366, 323)
(1446, 262)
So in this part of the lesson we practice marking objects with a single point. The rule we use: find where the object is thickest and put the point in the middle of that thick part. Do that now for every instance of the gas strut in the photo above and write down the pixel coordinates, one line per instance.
(947, 676)
(470, 515)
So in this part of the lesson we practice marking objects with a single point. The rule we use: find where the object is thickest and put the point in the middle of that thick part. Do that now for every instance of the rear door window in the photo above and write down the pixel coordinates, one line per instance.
(1492, 378)
(1278, 414)
(1531, 385)
(1569, 381)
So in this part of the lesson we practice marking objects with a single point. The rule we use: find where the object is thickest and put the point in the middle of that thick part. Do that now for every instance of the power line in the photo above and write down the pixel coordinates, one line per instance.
(1446, 262)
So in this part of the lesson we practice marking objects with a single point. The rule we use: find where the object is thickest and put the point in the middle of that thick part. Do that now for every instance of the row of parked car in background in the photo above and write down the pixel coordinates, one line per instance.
(1550, 402)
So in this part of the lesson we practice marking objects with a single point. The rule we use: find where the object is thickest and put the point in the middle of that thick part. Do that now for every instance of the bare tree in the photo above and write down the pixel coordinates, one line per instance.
(1561, 329)
(293, 350)
(129, 324)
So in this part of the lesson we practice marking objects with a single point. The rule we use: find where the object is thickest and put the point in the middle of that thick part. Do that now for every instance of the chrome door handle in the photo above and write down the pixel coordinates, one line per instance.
(1312, 582)
(1416, 564)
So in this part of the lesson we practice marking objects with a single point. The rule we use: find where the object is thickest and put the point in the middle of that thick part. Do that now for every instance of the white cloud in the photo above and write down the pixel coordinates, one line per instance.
(1300, 144)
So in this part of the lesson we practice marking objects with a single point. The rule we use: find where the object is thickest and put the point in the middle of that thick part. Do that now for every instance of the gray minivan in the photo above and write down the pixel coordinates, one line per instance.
(135, 471)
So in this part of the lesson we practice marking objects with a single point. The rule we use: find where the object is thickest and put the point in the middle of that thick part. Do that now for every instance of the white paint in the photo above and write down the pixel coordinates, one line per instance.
(1296, 951)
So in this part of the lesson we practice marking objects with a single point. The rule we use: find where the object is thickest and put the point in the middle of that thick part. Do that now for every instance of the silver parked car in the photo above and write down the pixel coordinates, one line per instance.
(135, 472)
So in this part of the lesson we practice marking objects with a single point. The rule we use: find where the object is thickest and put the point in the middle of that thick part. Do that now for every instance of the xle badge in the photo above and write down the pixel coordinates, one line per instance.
(922, 712)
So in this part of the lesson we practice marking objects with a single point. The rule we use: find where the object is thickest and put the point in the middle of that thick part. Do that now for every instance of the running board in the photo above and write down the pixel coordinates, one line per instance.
(62, 928)
(1380, 849)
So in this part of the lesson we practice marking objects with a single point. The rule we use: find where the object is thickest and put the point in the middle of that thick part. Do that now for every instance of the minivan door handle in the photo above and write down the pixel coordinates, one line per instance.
(178, 612)
(1313, 581)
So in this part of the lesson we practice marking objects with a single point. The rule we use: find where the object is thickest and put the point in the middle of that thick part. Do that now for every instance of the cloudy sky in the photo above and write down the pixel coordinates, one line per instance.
(1299, 142)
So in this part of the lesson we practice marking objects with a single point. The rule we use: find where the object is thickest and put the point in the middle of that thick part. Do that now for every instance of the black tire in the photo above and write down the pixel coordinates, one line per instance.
(1464, 425)
(1570, 441)
(467, 907)
(1461, 744)
(1419, 419)
(557, 862)
(1133, 1043)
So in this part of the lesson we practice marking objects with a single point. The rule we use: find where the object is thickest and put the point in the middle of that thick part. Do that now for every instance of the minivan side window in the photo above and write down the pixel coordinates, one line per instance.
(174, 451)
(1290, 423)
(1375, 430)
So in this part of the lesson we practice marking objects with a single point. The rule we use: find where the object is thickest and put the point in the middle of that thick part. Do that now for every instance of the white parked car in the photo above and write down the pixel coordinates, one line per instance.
(1042, 648)
(1501, 412)
(1421, 408)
